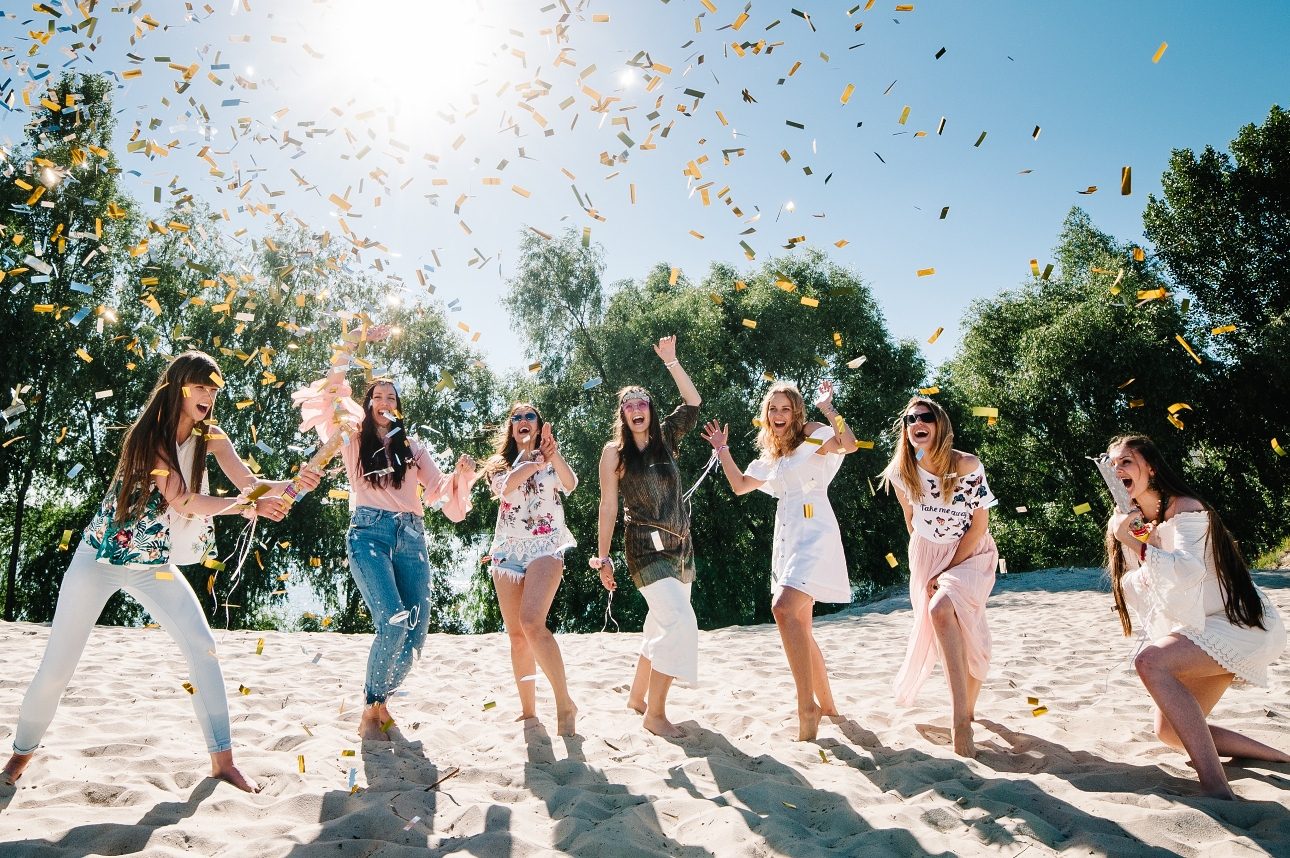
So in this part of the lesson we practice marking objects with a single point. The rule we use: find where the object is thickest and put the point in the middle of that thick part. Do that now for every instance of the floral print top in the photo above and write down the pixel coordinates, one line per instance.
(938, 518)
(530, 519)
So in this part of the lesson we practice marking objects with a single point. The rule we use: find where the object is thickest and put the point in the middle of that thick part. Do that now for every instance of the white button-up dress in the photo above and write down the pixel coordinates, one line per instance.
(807, 553)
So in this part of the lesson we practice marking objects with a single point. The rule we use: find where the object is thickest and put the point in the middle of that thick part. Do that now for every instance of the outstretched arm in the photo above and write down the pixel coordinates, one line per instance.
(843, 440)
(717, 435)
(666, 349)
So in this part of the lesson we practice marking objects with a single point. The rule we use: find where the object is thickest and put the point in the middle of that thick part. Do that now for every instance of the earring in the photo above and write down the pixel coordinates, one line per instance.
(1151, 482)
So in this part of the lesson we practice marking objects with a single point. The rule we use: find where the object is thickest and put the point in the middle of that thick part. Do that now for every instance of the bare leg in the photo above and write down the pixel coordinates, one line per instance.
(820, 679)
(954, 659)
(1186, 683)
(656, 709)
(510, 595)
(541, 580)
(640, 686)
(222, 767)
(14, 768)
(792, 610)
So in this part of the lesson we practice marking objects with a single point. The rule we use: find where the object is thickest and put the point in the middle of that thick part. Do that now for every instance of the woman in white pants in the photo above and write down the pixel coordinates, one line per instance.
(156, 516)
(641, 462)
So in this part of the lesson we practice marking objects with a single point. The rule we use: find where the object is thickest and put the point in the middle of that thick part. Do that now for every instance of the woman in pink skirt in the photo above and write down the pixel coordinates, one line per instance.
(951, 561)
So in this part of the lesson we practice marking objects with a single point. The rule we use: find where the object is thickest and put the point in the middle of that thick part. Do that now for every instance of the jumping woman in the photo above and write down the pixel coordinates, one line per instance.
(526, 475)
(156, 517)
(798, 461)
(386, 542)
(1209, 626)
(641, 462)
(952, 557)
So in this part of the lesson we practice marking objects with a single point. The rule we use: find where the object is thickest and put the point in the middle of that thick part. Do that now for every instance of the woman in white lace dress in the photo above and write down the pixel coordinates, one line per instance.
(1208, 625)
(527, 475)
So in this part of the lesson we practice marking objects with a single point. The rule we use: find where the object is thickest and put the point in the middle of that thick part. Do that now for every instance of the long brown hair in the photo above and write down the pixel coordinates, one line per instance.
(152, 436)
(1241, 601)
(772, 446)
(371, 447)
(505, 447)
(631, 457)
(904, 461)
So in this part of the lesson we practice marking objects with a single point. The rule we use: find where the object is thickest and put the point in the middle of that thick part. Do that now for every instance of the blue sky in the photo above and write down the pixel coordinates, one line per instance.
(1081, 72)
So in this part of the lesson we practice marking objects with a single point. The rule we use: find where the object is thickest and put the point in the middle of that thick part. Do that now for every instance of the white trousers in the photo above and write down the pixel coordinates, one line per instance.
(86, 587)
(671, 641)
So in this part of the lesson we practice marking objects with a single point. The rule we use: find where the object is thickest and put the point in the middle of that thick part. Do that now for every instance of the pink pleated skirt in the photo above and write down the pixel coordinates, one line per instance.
(968, 585)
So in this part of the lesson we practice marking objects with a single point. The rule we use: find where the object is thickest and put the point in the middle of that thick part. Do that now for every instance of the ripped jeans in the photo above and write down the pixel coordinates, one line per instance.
(387, 559)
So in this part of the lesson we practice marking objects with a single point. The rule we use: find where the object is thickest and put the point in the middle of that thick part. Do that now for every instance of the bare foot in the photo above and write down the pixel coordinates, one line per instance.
(637, 706)
(223, 769)
(13, 768)
(525, 716)
(566, 720)
(962, 736)
(370, 729)
(1221, 795)
(829, 712)
(808, 720)
(660, 726)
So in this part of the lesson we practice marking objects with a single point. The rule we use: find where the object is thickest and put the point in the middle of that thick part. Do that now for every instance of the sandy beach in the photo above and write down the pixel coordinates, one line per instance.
(122, 770)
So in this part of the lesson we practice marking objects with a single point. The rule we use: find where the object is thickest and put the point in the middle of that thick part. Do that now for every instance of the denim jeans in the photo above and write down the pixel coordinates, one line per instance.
(387, 557)
(170, 601)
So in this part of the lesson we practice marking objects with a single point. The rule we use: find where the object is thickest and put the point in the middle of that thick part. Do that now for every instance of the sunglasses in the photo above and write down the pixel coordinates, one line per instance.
(920, 417)
(519, 418)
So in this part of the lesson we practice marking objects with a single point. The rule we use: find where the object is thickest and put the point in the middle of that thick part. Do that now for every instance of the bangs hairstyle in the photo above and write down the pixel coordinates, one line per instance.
(631, 457)
(1241, 601)
(505, 447)
(904, 461)
(372, 454)
(152, 437)
(771, 445)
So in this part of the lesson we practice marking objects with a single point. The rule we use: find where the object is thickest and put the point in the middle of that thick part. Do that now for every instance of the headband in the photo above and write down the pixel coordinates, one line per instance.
(634, 394)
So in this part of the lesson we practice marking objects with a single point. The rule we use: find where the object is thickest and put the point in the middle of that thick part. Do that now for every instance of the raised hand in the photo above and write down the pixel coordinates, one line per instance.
(666, 349)
(824, 402)
(466, 465)
(716, 434)
(376, 333)
(546, 443)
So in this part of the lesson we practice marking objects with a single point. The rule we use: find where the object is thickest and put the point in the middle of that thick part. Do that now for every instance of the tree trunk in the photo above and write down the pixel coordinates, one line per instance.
(34, 445)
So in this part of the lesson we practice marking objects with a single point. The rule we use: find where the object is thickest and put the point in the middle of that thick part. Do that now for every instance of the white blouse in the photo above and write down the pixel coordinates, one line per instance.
(1177, 586)
(940, 519)
(530, 518)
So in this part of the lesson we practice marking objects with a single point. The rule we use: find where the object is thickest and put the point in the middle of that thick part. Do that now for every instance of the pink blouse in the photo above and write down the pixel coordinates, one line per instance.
(321, 400)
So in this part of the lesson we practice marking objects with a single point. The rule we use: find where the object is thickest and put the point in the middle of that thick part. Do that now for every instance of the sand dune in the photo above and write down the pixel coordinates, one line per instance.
(121, 770)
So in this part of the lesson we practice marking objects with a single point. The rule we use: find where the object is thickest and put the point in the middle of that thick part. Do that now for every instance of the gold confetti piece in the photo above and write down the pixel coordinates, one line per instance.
(1092, 189)
(1023, 510)
(979, 140)
(926, 272)
(1137, 403)
(1083, 508)
(165, 576)
(1179, 406)
(786, 804)
(1184, 344)
(846, 93)
(864, 445)
(347, 753)
(892, 561)
(489, 705)
(338, 494)
(1032, 701)
(749, 323)
(387, 725)
(671, 278)
(810, 302)
(823, 758)
(1034, 267)
(600, 19)
(716, 299)
(1126, 181)
(158, 472)
(188, 686)
(1276, 448)
(1139, 254)
(808, 510)
(908, 7)
(1160, 52)
(707, 4)
(1040, 710)
(245, 691)
(534, 367)
(66, 541)
(984, 411)
(1225, 329)
(1126, 384)
(300, 761)
(929, 391)
(904, 115)
(841, 243)
(259, 647)
(84, 355)
(934, 337)
(219, 382)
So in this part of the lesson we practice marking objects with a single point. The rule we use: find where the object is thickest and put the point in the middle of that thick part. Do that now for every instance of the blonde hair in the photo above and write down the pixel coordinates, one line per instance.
(773, 446)
(903, 461)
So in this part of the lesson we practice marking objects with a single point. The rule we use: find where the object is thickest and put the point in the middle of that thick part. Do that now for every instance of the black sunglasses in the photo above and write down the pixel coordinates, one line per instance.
(920, 417)
(529, 415)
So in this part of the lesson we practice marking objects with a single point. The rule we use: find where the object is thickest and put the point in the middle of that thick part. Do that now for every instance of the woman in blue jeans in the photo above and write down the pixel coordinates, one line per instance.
(386, 539)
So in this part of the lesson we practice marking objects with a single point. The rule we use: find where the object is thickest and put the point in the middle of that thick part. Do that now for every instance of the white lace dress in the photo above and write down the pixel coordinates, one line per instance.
(807, 553)
(1176, 591)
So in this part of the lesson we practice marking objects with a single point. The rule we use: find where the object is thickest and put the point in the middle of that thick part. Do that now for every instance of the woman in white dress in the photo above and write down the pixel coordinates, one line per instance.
(526, 475)
(798, 461)
(1210, 627)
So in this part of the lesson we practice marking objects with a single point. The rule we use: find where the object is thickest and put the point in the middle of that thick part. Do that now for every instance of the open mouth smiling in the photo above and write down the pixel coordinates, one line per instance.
(638, 421)
(921, 434)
